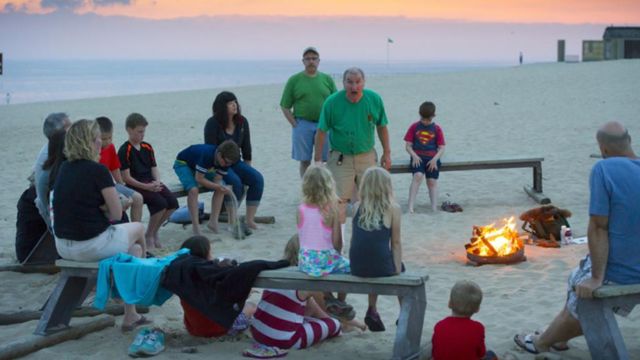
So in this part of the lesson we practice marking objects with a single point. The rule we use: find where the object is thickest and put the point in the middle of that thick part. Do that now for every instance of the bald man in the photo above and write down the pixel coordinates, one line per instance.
(614, 236)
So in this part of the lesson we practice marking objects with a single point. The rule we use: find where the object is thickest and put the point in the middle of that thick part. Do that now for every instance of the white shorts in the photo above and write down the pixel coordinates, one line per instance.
(110, 242)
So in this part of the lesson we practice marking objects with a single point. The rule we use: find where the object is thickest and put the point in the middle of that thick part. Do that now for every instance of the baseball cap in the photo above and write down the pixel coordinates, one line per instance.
(310, 49)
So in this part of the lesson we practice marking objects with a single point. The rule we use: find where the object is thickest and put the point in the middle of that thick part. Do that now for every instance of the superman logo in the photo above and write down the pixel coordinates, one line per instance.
(425, 136)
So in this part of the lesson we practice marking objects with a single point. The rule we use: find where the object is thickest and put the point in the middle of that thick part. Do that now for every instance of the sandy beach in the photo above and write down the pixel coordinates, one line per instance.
(541, 110)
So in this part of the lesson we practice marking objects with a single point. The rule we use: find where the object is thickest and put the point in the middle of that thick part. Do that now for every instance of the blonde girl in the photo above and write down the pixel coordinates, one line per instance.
(375, 243)
(319, 225)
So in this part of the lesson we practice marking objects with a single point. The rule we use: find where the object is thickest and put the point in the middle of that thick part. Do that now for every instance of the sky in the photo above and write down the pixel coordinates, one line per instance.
(435, 30)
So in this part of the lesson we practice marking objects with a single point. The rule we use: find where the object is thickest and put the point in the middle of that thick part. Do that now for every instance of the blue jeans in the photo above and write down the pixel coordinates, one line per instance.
(242, 174)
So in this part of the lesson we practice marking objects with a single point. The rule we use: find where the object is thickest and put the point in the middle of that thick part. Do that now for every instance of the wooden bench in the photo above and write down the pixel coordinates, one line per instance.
(535, 192)
(598, 321)
(77, 278)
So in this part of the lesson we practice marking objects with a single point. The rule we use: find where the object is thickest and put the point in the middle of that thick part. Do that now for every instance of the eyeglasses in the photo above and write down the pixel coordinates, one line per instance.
(311, 58)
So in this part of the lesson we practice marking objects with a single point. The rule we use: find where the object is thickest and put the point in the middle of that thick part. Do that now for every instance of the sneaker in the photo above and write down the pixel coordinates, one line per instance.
(137, 342)
(153, 343)
(373, 321)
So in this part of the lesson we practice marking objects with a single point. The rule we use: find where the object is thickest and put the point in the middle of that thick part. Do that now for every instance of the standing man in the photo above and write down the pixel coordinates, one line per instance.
(351, 116)
(614, 236)
(305, 92)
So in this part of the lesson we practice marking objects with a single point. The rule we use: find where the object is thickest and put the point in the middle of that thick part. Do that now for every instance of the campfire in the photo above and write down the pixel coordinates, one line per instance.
(491, 245)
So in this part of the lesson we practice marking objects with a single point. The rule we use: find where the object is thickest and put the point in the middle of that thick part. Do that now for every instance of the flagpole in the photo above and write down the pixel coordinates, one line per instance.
(388, 52)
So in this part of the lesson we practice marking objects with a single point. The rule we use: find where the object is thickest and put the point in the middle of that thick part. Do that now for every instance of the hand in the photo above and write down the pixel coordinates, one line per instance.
(293, 123)
(585, 288)
(157, 186)
(415, 160)
(224, 189)
(432, 165)
(125, 202)
(385, 161)
(319, 163)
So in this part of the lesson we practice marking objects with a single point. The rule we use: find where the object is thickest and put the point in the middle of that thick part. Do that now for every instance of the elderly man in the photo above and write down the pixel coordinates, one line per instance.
(304, 93)
(53, 123)
(351, 116)
(614, 236)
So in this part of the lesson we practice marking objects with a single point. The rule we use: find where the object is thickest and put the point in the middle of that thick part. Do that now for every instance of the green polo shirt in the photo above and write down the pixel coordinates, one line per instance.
(352, 126)
(306, 94)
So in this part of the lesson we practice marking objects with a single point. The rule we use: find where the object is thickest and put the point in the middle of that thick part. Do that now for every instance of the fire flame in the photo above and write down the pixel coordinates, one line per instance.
(489, 241)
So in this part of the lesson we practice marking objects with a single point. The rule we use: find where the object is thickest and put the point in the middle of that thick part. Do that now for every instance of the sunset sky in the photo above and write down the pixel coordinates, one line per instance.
(530, 11)
(422, 30)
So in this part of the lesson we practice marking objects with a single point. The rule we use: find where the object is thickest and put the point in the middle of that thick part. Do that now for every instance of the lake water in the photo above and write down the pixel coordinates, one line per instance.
(29, 81)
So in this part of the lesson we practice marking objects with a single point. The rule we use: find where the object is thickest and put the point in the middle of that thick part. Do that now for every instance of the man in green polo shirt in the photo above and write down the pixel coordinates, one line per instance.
(304, 93)
(351, 116)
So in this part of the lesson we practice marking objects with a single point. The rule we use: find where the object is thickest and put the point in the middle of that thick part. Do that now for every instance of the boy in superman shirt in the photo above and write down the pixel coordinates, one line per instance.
(457, 337)
(424, 141)
(109, 158)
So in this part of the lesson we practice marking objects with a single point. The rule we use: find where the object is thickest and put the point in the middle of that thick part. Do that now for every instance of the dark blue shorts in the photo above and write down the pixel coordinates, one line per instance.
(422, 168)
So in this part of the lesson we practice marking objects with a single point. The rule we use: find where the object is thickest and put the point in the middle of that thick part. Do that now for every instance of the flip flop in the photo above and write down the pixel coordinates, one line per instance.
(142, 321)
(456, 207)
(525, 342)
(259, 351)
(554, 347)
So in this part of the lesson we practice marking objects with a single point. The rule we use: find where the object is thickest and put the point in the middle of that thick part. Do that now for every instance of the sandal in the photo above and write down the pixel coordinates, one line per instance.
(259, 351)
(142, 321)
(525, 342)
(456, 207)
(448, 207)
(373, 321)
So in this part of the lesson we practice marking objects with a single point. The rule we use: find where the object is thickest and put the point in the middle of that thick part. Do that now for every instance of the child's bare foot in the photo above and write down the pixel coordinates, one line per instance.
(351, 325)
(150, 242)
(252, 225)
(157, 243)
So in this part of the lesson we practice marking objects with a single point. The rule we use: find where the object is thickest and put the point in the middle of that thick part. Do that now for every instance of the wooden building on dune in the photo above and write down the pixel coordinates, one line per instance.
(618, 42)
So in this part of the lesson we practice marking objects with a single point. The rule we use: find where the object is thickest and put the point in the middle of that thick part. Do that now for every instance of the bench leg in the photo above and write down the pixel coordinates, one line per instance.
(537, 177)
(600, 329)
(68, 294)
(410, 323)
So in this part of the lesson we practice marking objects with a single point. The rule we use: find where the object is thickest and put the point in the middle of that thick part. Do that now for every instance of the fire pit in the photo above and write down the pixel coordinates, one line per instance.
(490, 245)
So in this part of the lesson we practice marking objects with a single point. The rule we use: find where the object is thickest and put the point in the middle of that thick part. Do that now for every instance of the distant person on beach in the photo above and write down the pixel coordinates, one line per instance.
(85, 202)
(376, 249)
(53, 123)
(520, 58)
(140, 172)
(205, 165)
(227, 123)
(457, 336)
(305, 93)
(109, 158)
(197, 323)
(614, 237)
(351, 116)
(424, 141)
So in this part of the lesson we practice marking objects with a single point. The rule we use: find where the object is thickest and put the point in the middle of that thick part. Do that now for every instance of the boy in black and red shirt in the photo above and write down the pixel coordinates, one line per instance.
(424, 141)
(140, 172)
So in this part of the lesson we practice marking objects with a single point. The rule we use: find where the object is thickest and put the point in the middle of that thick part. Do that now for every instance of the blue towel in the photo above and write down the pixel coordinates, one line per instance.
(135, 280)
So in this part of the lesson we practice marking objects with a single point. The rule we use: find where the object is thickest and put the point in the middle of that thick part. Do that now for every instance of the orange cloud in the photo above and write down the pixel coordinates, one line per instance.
(561, 11)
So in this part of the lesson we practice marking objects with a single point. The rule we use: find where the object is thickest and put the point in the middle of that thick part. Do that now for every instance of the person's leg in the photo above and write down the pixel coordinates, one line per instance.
(563, 328)
(136, 207)
(216, 206)
(344, 175)
(302, 138)
(432, 185)
(172, 205)
(304, 165)
(192, 205)
(413, 189)
(135, 232)
(255, 181)
(372, 318)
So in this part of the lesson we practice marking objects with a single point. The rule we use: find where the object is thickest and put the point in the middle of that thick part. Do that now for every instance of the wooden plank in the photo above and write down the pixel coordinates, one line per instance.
(607, 291)
(31, 269)
(84, 311)
(28, 344)
(399, 167)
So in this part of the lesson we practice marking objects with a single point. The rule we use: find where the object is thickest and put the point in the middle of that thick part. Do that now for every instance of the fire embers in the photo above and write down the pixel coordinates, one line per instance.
(490, 245)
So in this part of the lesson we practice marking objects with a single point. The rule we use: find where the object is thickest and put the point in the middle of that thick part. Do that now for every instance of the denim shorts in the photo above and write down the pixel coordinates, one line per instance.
(303, 139)
(187, 176)
(422, 168)
(126, 191)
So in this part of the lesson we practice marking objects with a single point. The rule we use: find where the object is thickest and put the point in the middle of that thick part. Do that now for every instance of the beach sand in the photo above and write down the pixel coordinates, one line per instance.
(541, 110)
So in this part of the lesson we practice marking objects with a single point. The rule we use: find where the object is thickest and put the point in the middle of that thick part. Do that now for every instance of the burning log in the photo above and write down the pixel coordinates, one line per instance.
(489, 245)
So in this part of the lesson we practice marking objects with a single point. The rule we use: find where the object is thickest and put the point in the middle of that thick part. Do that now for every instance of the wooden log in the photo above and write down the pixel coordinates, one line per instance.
(22, 316)
(539, 197)
(258, 219)
(31, 343)
(30, 269)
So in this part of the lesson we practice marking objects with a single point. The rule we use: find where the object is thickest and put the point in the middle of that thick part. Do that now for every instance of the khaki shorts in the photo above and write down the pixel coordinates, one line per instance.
(348, 174)
(110, 242)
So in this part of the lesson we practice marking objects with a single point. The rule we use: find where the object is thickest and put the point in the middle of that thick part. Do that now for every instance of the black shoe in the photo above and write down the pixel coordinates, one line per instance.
(373, 321)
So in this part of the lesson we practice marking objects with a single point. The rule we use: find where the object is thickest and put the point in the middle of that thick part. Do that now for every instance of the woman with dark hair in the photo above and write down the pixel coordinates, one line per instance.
(55, 157)
(227, 123)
